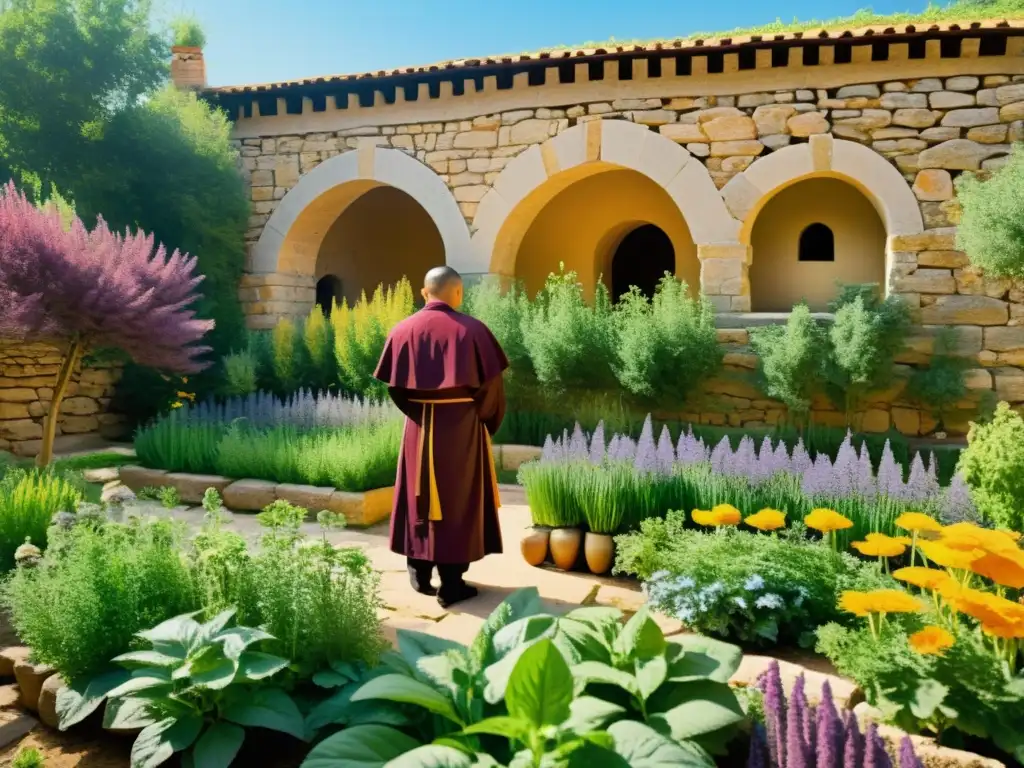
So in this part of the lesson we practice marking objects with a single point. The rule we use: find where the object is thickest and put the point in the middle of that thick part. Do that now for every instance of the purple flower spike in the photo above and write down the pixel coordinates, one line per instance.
(796, 715)
(875, 755)
(828, 749)
(666, 452)
(547, 453)
(646, 452)
(758, 757)
(597, 447)
(907, 757)
(721, 456)
(775, 714)
(853, 744)
(578, 449)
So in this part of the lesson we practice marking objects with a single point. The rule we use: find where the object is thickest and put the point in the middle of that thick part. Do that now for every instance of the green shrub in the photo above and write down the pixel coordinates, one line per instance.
(285, 362)
(745, 587)
(28, 757)
(96, 587)
(990, 231)
(571, 343)
(790, 360)
(666, 346)
(240, 374)
(188, 32)
(319, 351)
(991, 465)
(940, 385)
(504, 312)
(28, 502)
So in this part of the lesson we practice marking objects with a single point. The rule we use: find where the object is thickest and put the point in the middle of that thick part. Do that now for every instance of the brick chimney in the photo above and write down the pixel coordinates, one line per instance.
(188, 69)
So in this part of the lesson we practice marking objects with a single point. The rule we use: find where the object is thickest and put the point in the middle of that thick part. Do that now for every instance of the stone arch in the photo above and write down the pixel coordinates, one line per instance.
(290, 241)
(535, 176)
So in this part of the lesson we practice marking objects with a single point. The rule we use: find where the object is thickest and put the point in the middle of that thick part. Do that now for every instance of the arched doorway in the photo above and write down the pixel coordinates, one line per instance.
(642, 259)
(809, 238)
(328, 293)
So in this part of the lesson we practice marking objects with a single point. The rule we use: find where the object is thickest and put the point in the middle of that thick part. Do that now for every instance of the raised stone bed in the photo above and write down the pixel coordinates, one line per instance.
(248, 495)
(511, 457)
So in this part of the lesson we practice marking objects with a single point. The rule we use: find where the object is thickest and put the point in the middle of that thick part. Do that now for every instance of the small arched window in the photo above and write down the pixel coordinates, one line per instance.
(817, 243)
(328, 291)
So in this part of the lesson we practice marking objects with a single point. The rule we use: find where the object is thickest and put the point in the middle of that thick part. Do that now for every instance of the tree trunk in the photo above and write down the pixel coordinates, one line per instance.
(67, 367)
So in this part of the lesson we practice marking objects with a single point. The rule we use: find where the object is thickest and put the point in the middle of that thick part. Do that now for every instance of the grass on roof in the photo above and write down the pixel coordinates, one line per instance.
(959, 10)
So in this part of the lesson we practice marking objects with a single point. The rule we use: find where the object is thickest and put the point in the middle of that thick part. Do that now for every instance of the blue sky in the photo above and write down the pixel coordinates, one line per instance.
(251, 41)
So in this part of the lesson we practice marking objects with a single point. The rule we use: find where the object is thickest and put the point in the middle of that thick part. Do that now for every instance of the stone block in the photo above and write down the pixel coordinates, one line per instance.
(310, 497)
(21, 429)
(476, 139)
(750, 147)
(47, 707)
(904, 100)
(943, 259)
(249, 495)
(950, 100)
(907, 421)
(1004, 339)
(967, 118)
(929, 240)
(363, 509)
(771, 120)
(933, 184)
(883, 134)
(14, 726)
(10, 656)
(13, 411)
(926, 281)
(938, 134)
(1012, 112)
(965, 310)
(977, 379)
(989, 134)
(18, 395)
(959, 154)
(79, 425)
(808, 124)
(915, 118)
(683, 133)
(531, 131)
(191, 488)
(920, 343)
(1007, 94)
(654, 117)
(730, 128)
(30, 679)
(510, 457)
(962, 83)
(1009, 384)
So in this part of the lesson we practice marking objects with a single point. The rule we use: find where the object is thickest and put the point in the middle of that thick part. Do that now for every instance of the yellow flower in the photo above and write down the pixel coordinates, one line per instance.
(827, 520)
(1010, 630)
(880, 545)
(931, 641)
(985, 607)
(879, 601)
(703, 517)
(968, 536)
(917, 522)
(767, 520)
(726, 514)
(925, 578)
(1004, 568)
(941, 553)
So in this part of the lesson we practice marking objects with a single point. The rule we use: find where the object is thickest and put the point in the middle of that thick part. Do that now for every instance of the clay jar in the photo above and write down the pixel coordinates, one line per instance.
(565, 547)
(599, 550)
(534, 545)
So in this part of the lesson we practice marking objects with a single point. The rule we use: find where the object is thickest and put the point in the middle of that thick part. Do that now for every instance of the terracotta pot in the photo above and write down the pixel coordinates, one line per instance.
(565, 547)
(599, 549)
(535, 545)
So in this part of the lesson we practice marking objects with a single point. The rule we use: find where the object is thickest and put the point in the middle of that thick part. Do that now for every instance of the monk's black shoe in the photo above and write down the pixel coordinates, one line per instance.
(423, 586)
(449, 597)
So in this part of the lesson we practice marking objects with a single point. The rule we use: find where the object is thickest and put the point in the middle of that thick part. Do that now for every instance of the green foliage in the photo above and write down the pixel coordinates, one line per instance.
(536, 689)
(96, 587)
(354, 458)
(744, 587)
(318, 344)
(168, 496)
(940, 385)
(789, 360)
(504, 313)
(964, 692)
(193, 690)
(864, 339)
(991, 465)
(286, 372)
(28, 501)
(240, 374)
(991, 231)
(666, 346)
(572, 343)
(187, 32)
(28, 757)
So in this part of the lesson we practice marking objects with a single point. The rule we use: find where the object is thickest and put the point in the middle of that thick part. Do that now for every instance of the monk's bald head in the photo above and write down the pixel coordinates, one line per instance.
(443, 284)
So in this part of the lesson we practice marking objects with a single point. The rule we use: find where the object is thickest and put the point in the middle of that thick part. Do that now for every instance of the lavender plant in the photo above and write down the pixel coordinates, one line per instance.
(91, 290)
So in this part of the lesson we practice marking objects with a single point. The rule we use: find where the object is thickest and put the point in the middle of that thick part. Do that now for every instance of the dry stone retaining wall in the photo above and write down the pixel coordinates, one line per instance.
(27, 375)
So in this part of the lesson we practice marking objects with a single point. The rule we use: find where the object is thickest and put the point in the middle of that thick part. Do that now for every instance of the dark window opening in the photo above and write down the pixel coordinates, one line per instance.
(268, 106)
(817, 243)
(505, 80)
(843, 53)
(992, 45)
(247, 109)
(293, 105)
(949, 47)
(654, 66)
(595, 70)
(716, 62)
(642, 259)
(566, 72)
(319, 101)
(880, 51)
(328, 293)
(780, 57)
(536, 76)
(748, 58)
(812, 55)
(683, 66)
(412, 91)
(366, 97)
(458, 87)
(916, 48)
(434, 89)
(625, 69)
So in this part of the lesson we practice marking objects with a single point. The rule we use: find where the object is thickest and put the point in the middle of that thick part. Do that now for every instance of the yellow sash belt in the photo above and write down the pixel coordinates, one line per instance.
(435, 498)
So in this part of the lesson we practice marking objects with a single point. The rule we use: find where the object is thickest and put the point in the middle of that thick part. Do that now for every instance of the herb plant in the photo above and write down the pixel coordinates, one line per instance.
(991, 465)
(28, 501)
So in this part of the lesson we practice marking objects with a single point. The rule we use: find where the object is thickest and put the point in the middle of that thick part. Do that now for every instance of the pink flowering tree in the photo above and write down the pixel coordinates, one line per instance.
(80, 290)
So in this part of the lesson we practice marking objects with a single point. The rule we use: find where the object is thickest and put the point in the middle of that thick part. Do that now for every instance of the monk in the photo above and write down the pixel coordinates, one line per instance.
(444, 372)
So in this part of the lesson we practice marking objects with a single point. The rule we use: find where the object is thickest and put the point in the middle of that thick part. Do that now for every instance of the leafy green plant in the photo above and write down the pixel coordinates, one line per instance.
(504, 313)
(989, 232)
(940, 385)
(28, 757)
(666, 346)
(285, 363)
(744, 587)
(318, 346)
(991, 466)
(790, 360)
(194, 689)
(240, 373)
(169, 497)
(97, 586)
(534, 688)
(188, 32)
(28, 501)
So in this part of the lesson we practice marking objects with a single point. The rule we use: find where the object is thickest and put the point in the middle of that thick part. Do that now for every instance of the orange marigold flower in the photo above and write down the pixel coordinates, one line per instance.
(941, 553)
(879, 601)
(968, 536)
(767, 520)
(985, 607)
(1004, 568)
(855, 603)
(917, 521)
(925, 578)
(1010, 630)
(827, 520)
(931, 641)
(880, 545)
(726, 514)
(703, 517)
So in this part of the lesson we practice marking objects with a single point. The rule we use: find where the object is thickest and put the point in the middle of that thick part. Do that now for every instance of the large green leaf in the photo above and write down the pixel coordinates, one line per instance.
(414, 645)
(267, 708)
(127, 714)
(691, 709)
(147, 659)
(589, 713)
(512, 728)
(213, 670)
(407, 690)
(596, 672)
(217, 623)
(183, 631)
(523, 631)
(432, 756)
(152, 747)
(218, 746)
(641, 638)
(446, 670)
(237, 639)
(642, 747)
(333, 709)
(362, 746)
(705, 657)
(524, 602)
(541, 686)
(328, 678)
(143, 680)
(74, 704)
(650, 674)
(255, 665)
(606, 622)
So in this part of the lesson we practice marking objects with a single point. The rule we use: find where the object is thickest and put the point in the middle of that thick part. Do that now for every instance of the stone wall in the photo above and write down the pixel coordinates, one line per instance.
(27, 376)
(931, 130)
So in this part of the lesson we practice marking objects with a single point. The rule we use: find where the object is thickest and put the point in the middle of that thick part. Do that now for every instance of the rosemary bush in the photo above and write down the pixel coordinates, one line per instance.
(28, 501)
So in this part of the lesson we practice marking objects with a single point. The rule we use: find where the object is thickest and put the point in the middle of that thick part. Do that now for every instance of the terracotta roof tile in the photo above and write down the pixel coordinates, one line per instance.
(677, 44)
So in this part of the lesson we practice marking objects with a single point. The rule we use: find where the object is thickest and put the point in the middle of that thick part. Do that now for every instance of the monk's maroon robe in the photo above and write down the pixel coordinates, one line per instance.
(443, 370)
